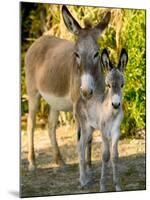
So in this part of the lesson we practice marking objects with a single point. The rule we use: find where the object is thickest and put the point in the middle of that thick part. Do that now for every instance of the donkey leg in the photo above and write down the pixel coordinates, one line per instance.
(84, 180)
(52, 124)
(82, 143)
(114, 159)
(105, 159)
(89, 151)
(33, 105)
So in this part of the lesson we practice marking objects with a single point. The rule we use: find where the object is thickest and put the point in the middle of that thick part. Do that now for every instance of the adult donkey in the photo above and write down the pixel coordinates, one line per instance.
(59, 71)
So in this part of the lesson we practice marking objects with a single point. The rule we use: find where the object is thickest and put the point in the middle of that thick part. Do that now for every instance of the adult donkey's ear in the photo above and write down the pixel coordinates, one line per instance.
(123, 60)
(69, 21)
(103, 24)
(105, 60)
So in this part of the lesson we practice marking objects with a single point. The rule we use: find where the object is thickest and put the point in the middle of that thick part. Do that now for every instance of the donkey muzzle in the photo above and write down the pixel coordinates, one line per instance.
(87, 86)
(86, 93)
(116, 99)
(116, 105)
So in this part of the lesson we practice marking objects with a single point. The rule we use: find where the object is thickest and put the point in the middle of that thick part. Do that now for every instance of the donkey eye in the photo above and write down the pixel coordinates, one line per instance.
(76, 55)
(122, 85)
(78, 58)
(96, 54)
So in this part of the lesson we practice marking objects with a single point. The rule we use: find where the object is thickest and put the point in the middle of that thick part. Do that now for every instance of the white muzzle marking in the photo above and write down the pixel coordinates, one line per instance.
(87, 82)
(116, 99)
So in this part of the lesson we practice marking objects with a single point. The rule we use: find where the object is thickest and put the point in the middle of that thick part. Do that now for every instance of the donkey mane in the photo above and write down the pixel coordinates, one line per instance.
(87, 23)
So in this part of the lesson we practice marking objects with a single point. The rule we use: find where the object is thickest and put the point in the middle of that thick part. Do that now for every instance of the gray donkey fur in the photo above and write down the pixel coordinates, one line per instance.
(103, 111)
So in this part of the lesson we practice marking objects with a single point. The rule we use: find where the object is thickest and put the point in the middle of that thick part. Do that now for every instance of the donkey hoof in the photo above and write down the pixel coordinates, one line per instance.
(31, 167)
(86, 183)
(60, 162)
(103, 188)
(118, 188)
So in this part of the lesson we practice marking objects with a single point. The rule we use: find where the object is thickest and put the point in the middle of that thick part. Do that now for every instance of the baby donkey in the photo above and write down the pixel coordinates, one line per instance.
(103, 112)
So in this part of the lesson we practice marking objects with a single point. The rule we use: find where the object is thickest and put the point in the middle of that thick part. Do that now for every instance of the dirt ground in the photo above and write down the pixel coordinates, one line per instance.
(49, 179)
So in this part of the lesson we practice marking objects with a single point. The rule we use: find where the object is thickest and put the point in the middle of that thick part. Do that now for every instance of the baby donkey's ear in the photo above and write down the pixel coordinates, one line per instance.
(105, 60)
(123, 60)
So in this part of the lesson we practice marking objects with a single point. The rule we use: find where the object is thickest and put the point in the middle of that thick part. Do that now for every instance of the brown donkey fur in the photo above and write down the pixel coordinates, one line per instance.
(60, 71)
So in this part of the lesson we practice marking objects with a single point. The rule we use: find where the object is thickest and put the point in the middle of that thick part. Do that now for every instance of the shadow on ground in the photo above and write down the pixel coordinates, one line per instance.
(47, 180)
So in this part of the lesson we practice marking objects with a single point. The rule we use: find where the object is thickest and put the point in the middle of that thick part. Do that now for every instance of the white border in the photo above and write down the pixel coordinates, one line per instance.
(9, 99)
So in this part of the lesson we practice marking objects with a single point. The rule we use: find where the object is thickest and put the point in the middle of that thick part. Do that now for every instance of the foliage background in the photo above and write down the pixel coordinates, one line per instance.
(127, 29)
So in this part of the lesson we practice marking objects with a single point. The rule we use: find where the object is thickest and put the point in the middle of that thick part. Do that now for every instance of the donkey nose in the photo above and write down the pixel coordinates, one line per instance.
(87, 93)
(116, 105)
